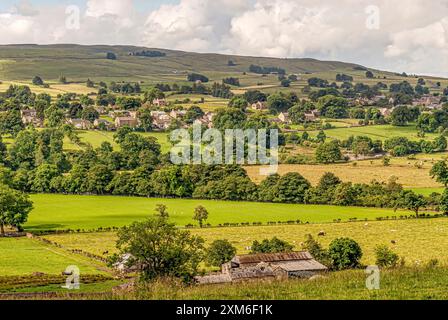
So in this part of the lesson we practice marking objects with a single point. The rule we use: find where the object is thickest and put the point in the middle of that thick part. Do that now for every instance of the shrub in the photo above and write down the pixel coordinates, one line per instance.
(385, 257)
(345, 253)
(219, 252)
(274, 245)
(316, 250)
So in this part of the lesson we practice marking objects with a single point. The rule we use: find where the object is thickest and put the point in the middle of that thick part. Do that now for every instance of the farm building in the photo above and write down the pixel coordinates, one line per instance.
(80, 124)
(159, 102)
(266, 266)
(30, 117)
(102, 122)
(284, 117)
(312, 116)
(260, 105)
(126, 121)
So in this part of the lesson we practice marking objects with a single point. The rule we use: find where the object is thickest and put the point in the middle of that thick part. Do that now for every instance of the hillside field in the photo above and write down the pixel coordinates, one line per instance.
(60, 212)
(418, 241)
(411, 173)
(22, 256)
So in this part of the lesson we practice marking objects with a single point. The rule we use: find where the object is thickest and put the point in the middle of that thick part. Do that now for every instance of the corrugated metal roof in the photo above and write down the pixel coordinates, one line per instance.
(272, 257)
(304, 265)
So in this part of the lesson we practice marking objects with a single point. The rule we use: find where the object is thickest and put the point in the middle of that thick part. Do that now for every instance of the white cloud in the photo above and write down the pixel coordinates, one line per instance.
(412, 35)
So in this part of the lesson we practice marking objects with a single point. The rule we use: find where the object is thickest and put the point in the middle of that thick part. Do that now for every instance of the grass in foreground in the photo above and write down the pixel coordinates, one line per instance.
(399, 284)
(59, 212)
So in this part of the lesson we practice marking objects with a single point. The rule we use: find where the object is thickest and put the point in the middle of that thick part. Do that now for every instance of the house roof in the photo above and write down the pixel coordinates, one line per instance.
(272, 257)
(303, 265)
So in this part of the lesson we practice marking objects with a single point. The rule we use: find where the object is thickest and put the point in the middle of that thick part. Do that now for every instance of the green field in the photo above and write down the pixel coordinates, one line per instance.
(381, 132)
(428, 191)
(95, 138)
(58, 212)
(22, 256)
(418, 241)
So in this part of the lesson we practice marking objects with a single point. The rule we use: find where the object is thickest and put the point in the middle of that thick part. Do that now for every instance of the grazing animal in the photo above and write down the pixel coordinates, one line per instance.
(322, 234)
(394, 242)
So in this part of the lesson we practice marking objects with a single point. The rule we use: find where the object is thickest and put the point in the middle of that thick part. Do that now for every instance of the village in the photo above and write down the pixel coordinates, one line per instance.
(165, 115)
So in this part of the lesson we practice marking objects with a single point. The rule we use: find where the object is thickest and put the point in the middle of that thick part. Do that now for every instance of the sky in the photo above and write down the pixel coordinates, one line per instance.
(405, 35)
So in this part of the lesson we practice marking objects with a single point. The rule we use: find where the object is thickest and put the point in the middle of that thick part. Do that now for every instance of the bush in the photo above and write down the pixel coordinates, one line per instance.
(345, 253)
(274, 245)
(316, 250)
(385, 257)
(219, 252)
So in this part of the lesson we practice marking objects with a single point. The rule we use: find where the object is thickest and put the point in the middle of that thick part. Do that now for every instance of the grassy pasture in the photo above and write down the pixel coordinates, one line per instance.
(397, 284)
(22, 256)
(417, 240)
(56, 212)
(408, 174)
(381, 132)
(54, 90)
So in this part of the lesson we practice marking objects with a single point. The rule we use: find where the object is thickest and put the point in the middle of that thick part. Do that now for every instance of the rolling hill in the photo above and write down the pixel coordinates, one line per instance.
(22, 62)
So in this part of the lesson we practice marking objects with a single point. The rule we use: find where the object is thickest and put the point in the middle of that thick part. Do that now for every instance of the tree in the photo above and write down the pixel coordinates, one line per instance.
(37, 81)
(90, 83)
(321, 136)
(159, 249)
(274, 245)
(440, 172)
(369, 74)
(345, 253)
(328, 152)
(14, 207)
(385, 258)
(200, 215)
(146, 119)
(219, 252)
(111, 56)
(278, 103)
(444, 202)
(238, 102)
(90, 114)
(98, 178)
(54, 116)
(400, 116)
(43, 176)
(62, 79)
(11, 122)
(196, 77)
(297, 115)
(315, 249)
(333, 106)
(193, 113)
(229, 118)
(411, 201)
(161, 210)
(440, 144)
(153, 94)
(286, 83)
(291, 188)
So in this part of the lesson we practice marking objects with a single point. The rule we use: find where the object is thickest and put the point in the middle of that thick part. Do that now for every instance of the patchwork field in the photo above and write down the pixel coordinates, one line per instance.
(410, 173)
(23, 257)
(382, 132)
(418, 241)
(60, 212)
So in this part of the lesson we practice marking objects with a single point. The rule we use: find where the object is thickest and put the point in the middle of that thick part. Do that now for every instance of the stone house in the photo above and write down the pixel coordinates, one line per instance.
(260, 105)
(266, 266)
